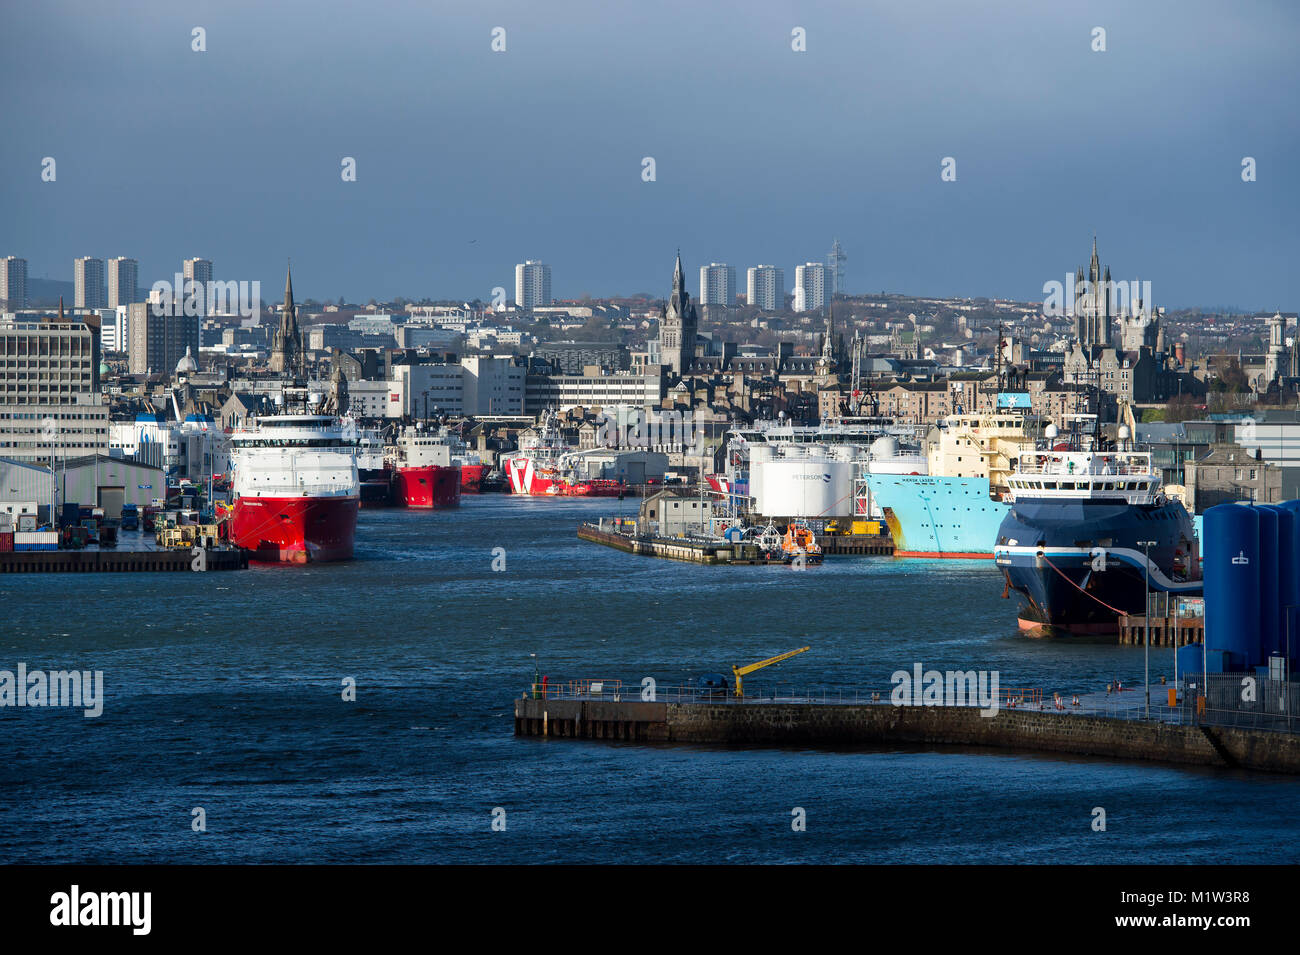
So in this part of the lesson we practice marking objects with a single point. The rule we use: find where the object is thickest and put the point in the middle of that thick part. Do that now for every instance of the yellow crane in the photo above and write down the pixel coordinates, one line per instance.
(741, 672)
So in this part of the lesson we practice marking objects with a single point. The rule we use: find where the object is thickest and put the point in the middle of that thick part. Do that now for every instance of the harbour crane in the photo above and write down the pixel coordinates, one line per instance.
(742, 672)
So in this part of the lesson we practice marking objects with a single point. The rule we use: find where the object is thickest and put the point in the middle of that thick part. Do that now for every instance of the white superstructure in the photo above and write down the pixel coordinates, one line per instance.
(1079, 475)
(294, 456)
(422, 449)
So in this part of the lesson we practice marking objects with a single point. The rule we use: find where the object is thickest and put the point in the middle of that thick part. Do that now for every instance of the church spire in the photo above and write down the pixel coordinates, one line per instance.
(287, 351)
(288, 289)
(678, 279)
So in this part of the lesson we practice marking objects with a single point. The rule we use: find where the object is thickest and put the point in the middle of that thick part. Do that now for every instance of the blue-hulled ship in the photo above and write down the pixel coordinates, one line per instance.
(950, 502)
(1084, 529)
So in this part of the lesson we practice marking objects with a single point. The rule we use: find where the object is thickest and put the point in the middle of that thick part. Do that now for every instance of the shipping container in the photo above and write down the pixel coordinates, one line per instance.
(6, 541)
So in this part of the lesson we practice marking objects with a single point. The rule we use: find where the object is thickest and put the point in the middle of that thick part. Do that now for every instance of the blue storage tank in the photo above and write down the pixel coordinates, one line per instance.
(1219, 661)
(1232, 584)
(1191, 662)
(1270, 604)
(1288, 574)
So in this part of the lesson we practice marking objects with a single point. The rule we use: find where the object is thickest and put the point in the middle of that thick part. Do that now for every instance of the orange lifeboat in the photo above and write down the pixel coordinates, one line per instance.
(799, 540)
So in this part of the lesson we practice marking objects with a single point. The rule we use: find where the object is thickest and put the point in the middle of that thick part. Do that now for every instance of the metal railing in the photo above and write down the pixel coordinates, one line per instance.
(1277, 708)
(620, 691)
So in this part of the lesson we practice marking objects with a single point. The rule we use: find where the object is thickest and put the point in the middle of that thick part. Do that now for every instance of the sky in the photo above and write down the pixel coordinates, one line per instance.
(470, 160)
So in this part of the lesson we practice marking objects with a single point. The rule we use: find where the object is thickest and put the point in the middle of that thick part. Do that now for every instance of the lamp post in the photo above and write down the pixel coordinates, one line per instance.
(1176, 635)
(1146, 618)
(1286, 674)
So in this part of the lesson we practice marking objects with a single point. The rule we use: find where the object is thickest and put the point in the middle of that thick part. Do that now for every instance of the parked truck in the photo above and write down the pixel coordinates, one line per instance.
(130, 517)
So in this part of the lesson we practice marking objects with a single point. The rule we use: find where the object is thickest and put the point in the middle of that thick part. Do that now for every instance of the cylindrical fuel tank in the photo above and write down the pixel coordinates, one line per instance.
(1232, 586)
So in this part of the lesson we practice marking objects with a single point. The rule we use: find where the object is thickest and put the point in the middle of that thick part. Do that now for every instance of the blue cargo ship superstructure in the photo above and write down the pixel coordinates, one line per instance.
(1087, 535)
(950, 502)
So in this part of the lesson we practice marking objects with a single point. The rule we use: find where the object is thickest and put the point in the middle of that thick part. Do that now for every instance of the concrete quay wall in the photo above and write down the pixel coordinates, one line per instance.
(814, 724)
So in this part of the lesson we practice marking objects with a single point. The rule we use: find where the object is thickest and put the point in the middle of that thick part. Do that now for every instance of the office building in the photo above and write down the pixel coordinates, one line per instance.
(50, 403)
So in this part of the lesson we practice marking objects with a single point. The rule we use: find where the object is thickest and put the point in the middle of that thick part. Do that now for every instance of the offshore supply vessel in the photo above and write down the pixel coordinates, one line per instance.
(294, 474)
(544, 466)
(296, 490)
(1089, 532)
(424, 475)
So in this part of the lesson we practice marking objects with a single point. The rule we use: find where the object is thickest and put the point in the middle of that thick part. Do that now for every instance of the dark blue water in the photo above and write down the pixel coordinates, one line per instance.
(224, 692)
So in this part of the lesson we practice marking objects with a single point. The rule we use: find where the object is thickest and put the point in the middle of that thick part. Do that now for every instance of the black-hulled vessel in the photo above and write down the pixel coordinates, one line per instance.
(1082, 526)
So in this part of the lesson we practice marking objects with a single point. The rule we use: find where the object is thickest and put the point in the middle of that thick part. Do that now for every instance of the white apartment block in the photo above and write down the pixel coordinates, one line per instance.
(198, 271)
(717, 284)
(812, 283)
(532, 284)
(765, 288)
(123, 275)
(88, 283)
(13, 283)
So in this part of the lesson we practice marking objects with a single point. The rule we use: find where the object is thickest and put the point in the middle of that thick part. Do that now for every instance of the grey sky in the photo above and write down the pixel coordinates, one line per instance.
(469, 161)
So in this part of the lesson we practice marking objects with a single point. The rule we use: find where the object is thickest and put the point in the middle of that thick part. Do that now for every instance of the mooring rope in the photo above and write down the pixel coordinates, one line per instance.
(1115, 610)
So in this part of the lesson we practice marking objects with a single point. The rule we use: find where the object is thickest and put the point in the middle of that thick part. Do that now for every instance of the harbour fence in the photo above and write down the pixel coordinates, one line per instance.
(1225, 700)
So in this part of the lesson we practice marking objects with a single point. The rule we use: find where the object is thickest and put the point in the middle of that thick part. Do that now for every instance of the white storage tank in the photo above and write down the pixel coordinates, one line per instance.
(803, 488)
(759, 454)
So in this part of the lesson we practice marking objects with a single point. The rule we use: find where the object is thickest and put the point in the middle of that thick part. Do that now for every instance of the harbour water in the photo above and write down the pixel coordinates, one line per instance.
(224, 691)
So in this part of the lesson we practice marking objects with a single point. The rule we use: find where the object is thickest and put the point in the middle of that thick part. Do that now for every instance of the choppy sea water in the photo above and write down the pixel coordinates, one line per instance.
(224, 691)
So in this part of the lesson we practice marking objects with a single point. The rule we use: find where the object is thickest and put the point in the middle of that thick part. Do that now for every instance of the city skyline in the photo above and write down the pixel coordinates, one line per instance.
(1052, 141)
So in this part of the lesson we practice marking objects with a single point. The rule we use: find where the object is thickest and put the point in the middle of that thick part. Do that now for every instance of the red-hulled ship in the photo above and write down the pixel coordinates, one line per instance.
(471, 477)
(544, 466)
(423, 474)
(295, 489)
(294, 474)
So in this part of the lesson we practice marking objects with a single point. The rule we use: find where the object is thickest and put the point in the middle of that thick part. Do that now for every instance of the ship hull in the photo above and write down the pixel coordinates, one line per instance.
(938, 517)
(1078, 566)
(376, 488)
(471, 478)
(295, 530)
(432, 486)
